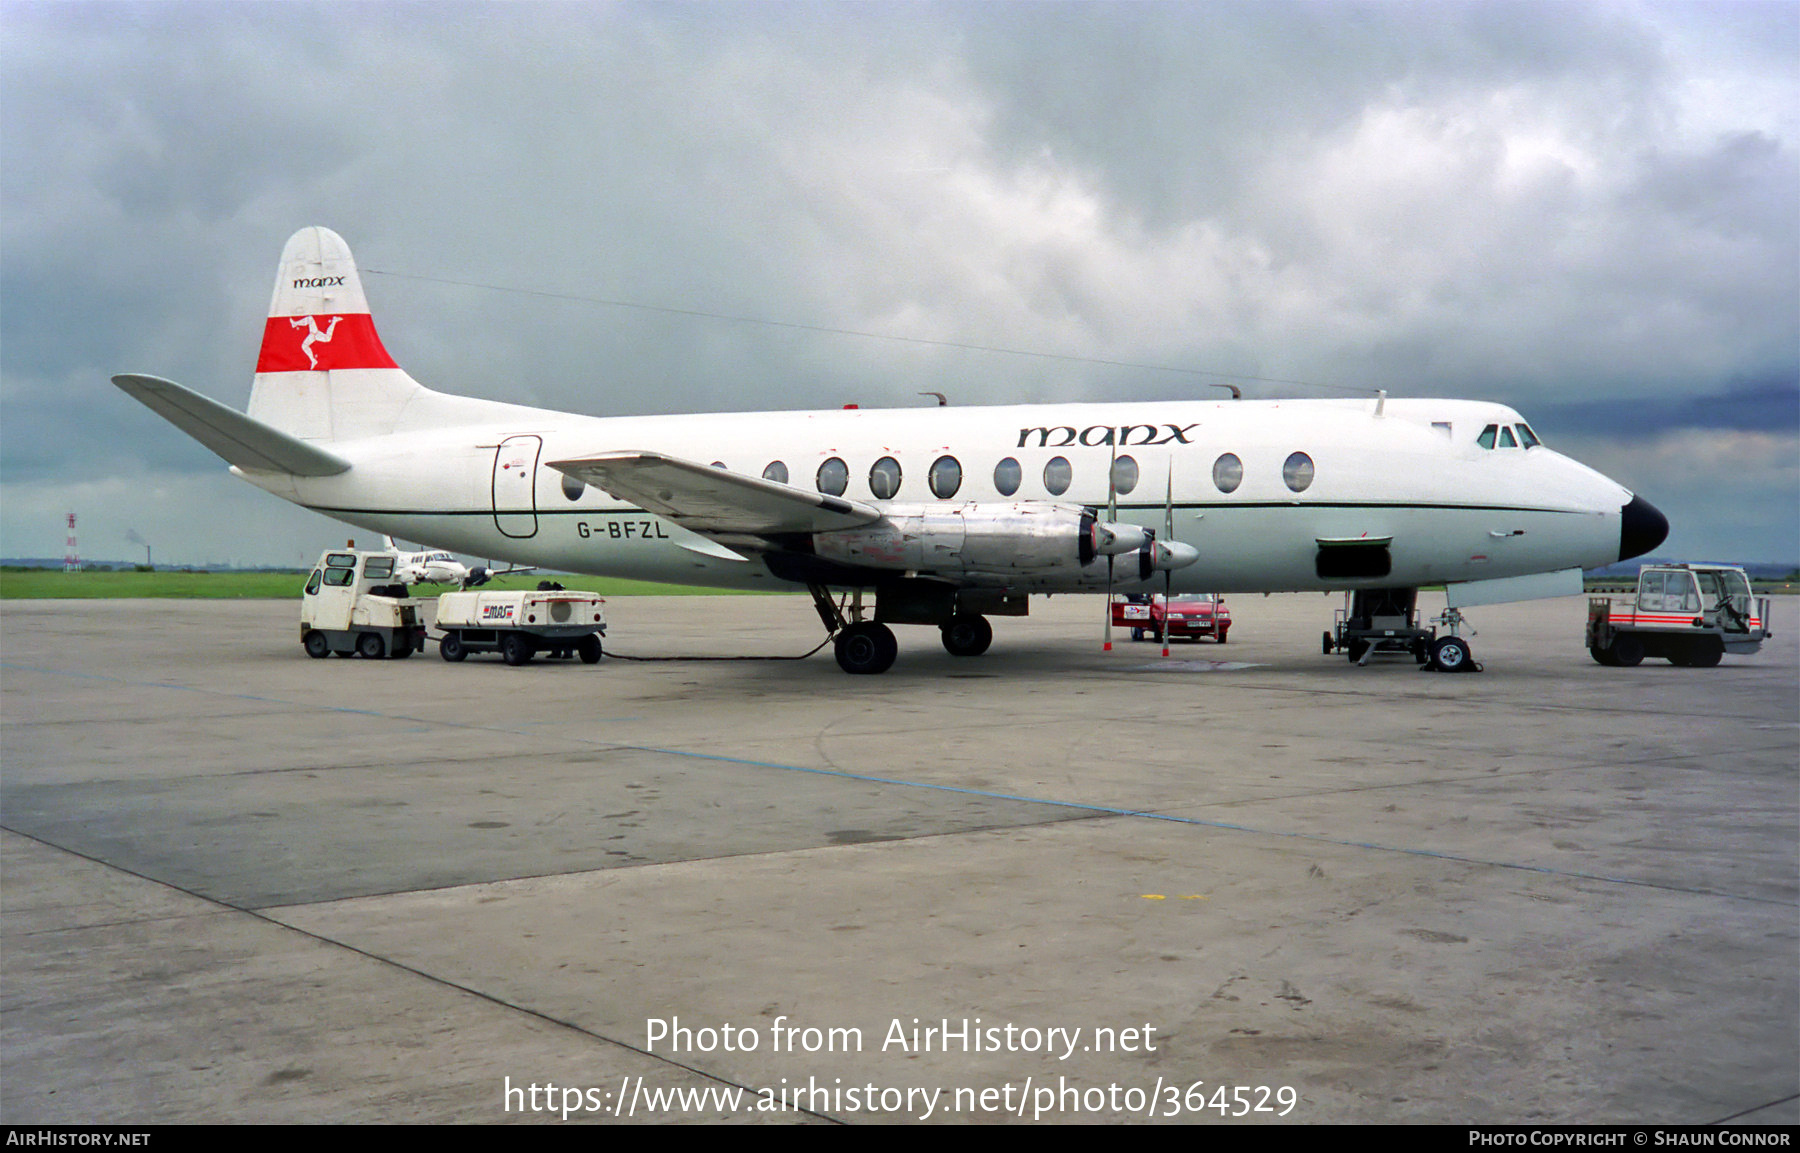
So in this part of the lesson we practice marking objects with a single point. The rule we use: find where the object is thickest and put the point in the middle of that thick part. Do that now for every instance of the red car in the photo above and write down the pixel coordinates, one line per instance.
(1191, 615)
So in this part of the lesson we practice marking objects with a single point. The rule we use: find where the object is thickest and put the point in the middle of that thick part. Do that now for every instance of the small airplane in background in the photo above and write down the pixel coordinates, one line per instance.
(948, 516)
(437, 567)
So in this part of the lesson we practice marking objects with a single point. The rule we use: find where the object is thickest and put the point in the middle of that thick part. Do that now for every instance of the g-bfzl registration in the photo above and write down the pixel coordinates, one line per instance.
(947, 515)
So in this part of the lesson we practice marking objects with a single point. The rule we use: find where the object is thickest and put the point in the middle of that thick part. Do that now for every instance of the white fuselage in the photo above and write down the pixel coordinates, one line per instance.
(471, 476)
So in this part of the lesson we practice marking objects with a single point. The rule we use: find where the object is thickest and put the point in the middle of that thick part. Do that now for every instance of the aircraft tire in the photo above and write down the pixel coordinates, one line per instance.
(451, 648)
(866, 648)
(589, 649)
(1627, 651)
(370, 645)
(1451, 655)
(515, 648)
(967, 635)
(318, 645)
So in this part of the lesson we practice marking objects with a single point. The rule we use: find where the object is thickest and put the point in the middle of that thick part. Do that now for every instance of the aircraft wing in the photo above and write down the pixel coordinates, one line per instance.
(715, 500)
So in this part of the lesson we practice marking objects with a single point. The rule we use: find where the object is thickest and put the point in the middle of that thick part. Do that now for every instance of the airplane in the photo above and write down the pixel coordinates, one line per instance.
(431, 567)
(947, 516)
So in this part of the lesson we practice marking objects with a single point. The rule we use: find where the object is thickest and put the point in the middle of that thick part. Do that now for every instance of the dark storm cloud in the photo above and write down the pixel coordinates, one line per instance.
(1763, 406)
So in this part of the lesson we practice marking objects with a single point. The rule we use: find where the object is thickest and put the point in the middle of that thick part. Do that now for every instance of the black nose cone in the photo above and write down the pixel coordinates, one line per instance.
(1641, 528)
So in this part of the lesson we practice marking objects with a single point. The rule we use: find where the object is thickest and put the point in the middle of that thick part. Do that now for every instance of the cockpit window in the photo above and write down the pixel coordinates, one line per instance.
(1486, 439)
(1527, 437)
(1506, 439)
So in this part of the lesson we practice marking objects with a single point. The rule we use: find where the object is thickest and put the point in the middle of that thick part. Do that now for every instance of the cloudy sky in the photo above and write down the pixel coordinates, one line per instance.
(1586, 210)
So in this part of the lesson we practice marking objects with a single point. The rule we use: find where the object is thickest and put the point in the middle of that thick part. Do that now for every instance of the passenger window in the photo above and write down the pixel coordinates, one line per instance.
(1486, 439)
(1007, 475)
(1057, 475)
(1228, 472)
(1124, 475)
(1506, 439)
(1297, 472)
(884, 478)
(945, 477)
(834, 477)
(777, 472)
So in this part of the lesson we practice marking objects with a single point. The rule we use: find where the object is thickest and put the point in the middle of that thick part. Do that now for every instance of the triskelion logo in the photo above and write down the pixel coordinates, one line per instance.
(314, 336)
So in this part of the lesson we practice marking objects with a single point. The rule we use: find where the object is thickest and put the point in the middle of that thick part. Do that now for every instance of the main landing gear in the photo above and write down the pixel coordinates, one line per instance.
(967, 635)
(860, 646)
(867, 646)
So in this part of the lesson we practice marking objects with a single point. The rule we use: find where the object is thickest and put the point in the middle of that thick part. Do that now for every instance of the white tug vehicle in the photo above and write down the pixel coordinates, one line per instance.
(1689, 614)
(354, 603)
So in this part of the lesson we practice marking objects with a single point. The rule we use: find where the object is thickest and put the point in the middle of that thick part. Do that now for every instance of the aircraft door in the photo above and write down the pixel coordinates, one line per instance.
(515, 485)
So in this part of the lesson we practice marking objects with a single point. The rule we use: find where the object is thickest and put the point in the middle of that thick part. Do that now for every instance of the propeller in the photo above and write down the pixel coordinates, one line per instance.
(1112, 517)
(1169, 539)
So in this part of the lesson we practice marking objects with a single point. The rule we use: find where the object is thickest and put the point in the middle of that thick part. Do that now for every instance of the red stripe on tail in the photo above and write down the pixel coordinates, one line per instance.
(321, 343)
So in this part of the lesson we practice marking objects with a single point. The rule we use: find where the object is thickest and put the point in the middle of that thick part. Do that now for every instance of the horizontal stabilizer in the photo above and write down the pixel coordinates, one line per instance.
(715, 500)
(247, 443)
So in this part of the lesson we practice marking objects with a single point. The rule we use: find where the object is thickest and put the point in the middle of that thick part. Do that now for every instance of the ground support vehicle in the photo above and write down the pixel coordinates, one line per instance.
(1190, 616)
(1688, 614)
(519, 625)
(1387, 621)
(352, 604)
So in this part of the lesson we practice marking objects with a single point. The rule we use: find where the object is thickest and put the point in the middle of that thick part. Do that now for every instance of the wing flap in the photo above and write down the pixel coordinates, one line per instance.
(714, 500)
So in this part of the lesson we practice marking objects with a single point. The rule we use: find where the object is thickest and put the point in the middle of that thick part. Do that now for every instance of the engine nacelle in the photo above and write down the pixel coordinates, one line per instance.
(1027, 543)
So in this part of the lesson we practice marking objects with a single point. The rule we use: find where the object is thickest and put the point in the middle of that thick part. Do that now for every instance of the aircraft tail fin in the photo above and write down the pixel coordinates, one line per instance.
(322, 373)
